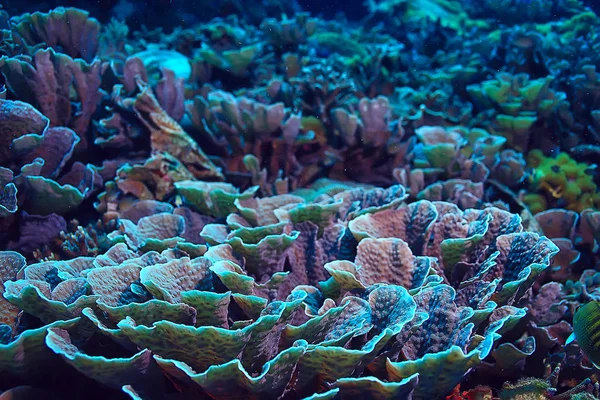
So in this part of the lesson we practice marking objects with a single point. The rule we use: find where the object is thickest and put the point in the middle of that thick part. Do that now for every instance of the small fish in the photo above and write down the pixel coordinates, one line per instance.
(586, 329)
(178, 201)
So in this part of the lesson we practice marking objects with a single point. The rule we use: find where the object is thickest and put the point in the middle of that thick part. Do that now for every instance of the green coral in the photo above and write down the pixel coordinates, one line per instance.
(518, 101)
(561, 181)
(449, 12)
(212, 198)
(46, 196)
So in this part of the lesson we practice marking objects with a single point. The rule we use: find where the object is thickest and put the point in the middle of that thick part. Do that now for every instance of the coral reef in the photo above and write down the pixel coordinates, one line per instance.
(257, 201)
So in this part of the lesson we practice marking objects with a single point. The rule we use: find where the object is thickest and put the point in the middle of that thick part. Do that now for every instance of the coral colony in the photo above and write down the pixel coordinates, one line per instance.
(287, 204)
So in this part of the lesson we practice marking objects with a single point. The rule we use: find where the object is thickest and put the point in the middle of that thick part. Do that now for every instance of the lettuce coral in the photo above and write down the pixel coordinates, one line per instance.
(519, 103)
(122, 281)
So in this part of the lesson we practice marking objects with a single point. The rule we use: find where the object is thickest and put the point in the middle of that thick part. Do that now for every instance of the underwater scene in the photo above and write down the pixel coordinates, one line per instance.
(300, 199)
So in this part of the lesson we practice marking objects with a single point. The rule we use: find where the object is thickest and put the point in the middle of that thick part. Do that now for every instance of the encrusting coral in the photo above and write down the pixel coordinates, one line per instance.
(561, 181)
